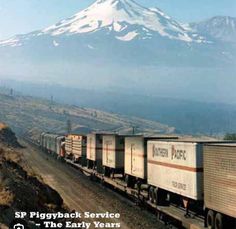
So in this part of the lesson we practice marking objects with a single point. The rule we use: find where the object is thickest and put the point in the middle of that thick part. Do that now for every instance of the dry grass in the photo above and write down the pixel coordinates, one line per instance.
(10, 155)
(6, 197)
(17, 157)
(3, 126)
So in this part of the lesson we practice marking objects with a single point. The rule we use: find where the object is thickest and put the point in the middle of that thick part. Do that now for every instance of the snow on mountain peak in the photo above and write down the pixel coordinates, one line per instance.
(119, 16)
(125, 20)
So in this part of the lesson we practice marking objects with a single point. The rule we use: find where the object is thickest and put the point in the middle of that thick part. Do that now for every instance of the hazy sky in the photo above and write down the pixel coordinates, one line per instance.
(22, 16)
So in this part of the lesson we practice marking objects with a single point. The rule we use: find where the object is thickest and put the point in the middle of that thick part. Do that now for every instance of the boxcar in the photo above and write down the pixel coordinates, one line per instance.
(51, 142)
(220, 185)
(42, 139)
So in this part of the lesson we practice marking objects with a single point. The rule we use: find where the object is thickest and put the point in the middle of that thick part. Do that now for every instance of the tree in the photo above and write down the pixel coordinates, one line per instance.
(229, 136)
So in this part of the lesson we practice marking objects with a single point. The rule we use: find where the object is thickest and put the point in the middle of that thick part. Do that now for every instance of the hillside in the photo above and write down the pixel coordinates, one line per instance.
(186, 115)
(33, 115)
(7, 136)
(20, 188)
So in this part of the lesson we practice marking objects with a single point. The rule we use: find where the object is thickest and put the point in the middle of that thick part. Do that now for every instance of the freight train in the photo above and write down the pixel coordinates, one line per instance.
(198, 175)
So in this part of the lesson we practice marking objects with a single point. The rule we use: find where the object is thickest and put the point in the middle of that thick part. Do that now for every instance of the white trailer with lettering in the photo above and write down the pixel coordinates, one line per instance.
(175, 171)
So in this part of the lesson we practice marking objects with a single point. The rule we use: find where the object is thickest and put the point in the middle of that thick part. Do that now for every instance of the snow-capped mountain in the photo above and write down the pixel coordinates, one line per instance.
(125, 19)
(217, 28)
(118, 43)
(117, 16)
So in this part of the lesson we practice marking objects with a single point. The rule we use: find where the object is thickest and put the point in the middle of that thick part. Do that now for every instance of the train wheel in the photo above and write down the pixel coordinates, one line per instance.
(210, 219)
(219, 221)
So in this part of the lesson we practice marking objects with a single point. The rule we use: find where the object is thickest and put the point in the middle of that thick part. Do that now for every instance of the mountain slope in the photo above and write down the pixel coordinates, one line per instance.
(111, 31)
(126, 19)
(118, 16)
(217, 28)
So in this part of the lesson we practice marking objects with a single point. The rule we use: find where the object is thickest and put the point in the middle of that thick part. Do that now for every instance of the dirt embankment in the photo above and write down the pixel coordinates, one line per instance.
(20, 188)
(8, 137)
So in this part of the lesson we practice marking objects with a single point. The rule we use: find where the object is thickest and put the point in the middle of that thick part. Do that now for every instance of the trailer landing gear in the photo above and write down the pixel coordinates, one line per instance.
(186, 206)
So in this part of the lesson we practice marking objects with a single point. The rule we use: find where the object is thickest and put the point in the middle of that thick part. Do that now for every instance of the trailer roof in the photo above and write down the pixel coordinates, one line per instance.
(153, 137)
(229, 144)
(83, 135)
(102, 133)
(200, 141)
(52, 135)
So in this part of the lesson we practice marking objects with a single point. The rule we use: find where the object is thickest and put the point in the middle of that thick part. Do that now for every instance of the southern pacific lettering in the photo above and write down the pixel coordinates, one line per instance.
(159, 152)
(178, 154)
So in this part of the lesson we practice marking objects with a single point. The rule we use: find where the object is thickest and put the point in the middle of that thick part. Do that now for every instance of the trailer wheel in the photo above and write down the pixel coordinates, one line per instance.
(219, 221)
(155, 195)
(210, 219)
(151, 189)
(127, 180)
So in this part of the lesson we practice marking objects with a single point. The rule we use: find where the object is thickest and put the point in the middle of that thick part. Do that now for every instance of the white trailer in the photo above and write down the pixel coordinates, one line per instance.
(176, 167)
(94, 151)
(113, 152)
(220, 185)
(94, 146)
(68, 146)
(136, 158)
(78, 146)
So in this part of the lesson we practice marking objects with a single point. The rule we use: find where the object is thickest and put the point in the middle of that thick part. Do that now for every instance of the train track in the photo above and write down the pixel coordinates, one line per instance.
(170, 215)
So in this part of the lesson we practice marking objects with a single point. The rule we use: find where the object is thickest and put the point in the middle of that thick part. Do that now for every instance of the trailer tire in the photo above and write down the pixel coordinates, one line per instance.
(151, 189)
(155, 195)
(127, 180)
(210, 219)
(219, 221)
